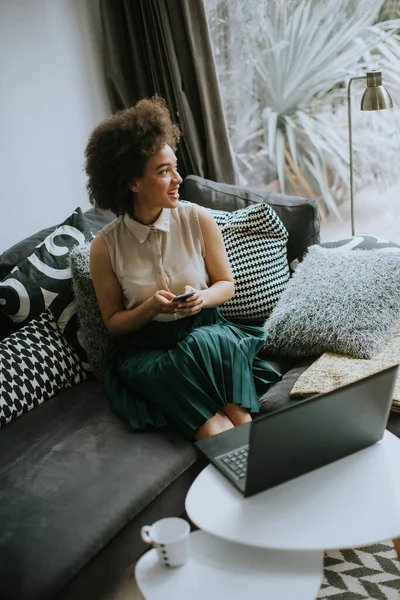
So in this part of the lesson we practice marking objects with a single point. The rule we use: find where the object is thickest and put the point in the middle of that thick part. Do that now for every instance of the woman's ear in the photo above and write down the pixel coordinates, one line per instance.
(133, 187)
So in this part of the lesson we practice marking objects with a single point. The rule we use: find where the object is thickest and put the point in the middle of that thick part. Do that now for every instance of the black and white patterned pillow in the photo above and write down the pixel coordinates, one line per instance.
(363, 241)
(36, 363)
(43, 280)
(255, 240)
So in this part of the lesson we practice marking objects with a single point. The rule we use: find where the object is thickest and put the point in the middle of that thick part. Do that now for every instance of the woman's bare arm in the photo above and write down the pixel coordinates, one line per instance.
(217, 264)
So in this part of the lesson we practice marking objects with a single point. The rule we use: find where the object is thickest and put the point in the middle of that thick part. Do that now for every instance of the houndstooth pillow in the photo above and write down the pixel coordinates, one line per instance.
(255, 240)
(36, 362)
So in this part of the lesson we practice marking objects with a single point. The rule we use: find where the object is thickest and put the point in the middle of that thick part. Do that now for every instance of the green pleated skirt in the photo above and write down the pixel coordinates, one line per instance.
(180, 373)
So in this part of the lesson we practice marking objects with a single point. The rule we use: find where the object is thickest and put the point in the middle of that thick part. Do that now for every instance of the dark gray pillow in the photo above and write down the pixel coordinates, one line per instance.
(337, 301)
(93, 331)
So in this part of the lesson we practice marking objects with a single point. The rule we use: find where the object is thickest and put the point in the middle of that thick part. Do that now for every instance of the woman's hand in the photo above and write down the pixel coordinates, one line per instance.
(192, 305)
(161, 303)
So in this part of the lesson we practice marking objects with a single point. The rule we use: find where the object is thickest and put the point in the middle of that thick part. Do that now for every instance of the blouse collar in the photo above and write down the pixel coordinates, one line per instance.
(141, 231)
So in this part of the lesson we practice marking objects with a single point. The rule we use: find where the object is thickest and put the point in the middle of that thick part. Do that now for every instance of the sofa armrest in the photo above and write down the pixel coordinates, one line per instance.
(299, 215)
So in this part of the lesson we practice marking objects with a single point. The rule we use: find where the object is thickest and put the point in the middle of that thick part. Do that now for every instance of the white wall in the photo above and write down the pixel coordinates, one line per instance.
(52, 94)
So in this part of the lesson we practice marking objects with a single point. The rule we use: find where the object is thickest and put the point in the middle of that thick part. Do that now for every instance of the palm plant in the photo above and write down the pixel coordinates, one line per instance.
(296, 59)
(389, 10)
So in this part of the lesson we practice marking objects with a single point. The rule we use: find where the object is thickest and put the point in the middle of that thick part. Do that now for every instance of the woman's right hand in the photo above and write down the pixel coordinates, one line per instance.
(161, 302)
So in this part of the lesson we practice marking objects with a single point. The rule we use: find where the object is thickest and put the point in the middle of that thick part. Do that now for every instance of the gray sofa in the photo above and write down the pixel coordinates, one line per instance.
(76, 484)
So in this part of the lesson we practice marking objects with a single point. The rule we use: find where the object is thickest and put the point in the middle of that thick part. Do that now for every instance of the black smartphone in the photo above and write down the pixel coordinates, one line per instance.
(182, 297)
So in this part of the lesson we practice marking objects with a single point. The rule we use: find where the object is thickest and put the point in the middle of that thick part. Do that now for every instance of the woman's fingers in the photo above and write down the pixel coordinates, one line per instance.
(190, 302)
(163, 300)
(167, 295)
(192, 306)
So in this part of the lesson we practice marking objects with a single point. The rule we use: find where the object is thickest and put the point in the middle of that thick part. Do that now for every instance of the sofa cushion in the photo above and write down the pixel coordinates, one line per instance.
(72, 475)
(43, 280)
(36, 362)
(98, 218)
(278, 395)
(299, 215)
(255, 240)
(337, 301)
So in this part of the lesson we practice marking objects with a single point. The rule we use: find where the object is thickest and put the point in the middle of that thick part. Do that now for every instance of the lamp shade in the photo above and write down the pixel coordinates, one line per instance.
(376, 96)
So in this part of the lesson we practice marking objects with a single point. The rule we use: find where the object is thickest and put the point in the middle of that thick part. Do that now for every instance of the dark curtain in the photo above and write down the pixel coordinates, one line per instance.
(164, 47)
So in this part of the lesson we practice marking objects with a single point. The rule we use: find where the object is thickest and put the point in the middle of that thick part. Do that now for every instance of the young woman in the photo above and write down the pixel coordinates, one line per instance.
(170, 361)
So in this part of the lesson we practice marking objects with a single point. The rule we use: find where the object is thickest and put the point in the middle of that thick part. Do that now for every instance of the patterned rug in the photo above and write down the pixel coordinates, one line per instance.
(371, 572)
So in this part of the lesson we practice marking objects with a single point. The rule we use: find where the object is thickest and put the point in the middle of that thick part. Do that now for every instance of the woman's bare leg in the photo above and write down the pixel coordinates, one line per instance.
(237, 414)
(218, 423)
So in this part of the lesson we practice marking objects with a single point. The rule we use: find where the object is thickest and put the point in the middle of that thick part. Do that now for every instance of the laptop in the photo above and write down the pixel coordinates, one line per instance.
(304, 436)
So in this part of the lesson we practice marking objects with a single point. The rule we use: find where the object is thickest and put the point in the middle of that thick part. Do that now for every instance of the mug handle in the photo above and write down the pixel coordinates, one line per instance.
(145, 534)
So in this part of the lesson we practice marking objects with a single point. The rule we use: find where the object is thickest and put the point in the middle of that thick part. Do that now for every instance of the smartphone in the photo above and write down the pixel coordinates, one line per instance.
(183, 297)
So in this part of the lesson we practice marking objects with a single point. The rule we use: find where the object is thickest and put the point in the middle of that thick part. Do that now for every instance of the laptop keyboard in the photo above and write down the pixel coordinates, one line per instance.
(236, 460)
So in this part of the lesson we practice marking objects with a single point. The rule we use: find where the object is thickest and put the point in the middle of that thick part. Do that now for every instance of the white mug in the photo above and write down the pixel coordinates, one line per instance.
(170, 537)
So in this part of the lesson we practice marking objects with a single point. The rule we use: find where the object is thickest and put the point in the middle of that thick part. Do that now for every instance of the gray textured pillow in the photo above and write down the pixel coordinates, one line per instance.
(92, 328)
(337, 301)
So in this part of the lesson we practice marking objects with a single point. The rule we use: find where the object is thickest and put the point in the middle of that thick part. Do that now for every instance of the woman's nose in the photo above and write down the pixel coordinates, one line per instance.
(177, 177)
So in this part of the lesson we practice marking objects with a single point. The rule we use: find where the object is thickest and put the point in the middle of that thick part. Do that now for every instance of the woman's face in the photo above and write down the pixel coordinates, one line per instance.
(158, 187)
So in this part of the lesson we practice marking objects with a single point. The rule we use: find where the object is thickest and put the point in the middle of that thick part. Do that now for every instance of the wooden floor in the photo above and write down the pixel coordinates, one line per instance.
(127, 589)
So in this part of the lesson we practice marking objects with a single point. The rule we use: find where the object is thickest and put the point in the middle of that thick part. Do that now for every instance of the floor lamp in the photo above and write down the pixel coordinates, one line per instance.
(376, 97)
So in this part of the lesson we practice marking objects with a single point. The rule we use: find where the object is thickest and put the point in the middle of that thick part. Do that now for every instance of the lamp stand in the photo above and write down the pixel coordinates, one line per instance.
(351, 150)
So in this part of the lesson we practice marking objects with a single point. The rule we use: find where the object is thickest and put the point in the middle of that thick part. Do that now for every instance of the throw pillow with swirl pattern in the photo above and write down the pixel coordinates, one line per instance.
(43, 281)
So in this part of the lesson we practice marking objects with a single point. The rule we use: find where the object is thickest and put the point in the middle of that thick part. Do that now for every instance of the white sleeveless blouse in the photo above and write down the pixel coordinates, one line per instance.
(168, 254)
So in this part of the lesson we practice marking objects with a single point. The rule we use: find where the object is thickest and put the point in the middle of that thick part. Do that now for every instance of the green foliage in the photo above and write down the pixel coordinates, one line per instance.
(389, 10)
(284, 68)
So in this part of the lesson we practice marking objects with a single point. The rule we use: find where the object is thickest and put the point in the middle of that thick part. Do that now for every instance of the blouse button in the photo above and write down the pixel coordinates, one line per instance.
(159, 269)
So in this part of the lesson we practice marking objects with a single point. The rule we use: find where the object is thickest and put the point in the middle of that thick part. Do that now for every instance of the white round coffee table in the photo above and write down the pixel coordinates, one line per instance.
(220, 570)
(352, 502)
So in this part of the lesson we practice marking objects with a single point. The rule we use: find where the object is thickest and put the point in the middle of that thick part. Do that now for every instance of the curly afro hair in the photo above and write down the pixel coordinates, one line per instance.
(119, 148)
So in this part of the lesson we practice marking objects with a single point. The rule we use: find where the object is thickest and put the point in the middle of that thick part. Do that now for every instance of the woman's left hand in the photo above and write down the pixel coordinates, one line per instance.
(192, 305)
